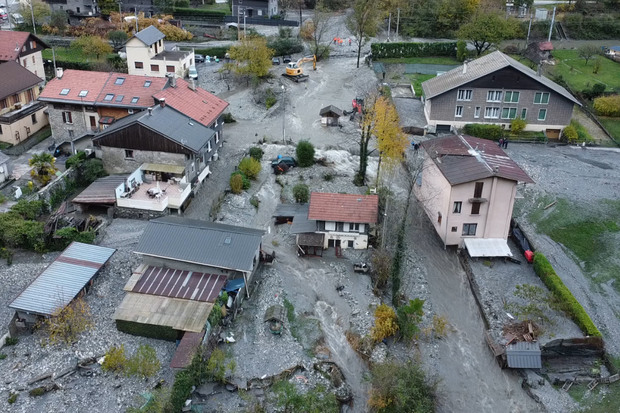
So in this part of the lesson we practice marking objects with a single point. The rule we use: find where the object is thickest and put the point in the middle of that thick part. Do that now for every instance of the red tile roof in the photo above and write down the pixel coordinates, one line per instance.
(344, 207)
(100, 84)
(11, 44)
(198, 104)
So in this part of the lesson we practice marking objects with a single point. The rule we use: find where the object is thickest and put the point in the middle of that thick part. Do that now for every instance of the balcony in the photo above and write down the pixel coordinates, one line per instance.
(155, 196)
(21, 111)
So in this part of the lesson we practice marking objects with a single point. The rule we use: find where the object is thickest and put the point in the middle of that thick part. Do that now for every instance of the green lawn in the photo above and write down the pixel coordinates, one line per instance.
(435, 60)
(612, 125)
(68, 54)
(579, 76)
(416, 80)
(216, 7)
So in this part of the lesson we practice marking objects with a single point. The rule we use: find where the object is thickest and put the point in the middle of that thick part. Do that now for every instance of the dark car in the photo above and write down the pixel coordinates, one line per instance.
(286, 59)
(199, 58)
(275, 61)
(287, 160)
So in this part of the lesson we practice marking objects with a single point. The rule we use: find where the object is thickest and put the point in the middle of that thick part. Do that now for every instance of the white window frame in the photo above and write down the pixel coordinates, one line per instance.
(458, 112)
(464, 94)
(477, 112)
(542, 98)
(67, 117)
(491, 112)
(469, 226)
(330, 226)
(494, 96)
(542, 110)
(512, 94)
(129, 154)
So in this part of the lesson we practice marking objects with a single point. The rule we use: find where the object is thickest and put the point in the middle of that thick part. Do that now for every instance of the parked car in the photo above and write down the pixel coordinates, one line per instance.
(18, 18)
(193, 73)
(275, 61)
(198, 58)
(286, 59)
(3, 14)
(287, 160)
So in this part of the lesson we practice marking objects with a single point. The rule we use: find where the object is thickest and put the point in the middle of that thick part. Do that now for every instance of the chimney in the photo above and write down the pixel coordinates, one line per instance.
(539, 69)
(172, 79)
(59, 72)
(162, 102)
(150, 111)
(192, 84)
(464, 66)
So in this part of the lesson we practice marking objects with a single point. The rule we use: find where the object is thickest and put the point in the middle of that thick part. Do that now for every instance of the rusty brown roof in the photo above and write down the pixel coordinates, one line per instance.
(186, 350)
(463, 158)
(102, 191)
(344, 207)
(187, 285)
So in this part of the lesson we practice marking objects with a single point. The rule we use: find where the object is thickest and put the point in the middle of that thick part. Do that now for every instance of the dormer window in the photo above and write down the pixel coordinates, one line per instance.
(82, 93)
(147, 83)
(119, 81)
(119, 98)
(135, 99)
(108, 97)
(65, 92)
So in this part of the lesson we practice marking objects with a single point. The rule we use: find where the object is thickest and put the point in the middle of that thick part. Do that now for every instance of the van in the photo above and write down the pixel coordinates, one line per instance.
(18, 18)
(193, 73)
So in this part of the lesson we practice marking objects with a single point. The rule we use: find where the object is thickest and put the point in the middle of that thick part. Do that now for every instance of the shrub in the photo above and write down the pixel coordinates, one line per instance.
(595, 91)
(479, 130)
(12, 397)
(547, 274)
(38, 391)
(144, 362)
(409, 316)
(115, 359)
(254, 202)
(317, 399)
(236, 183)
(328, 177)
(228, 118)
(385, 323)
(396, 387)
(90, 171)
(67, 323)
(29, 209)
(582, 132)
(216, 314)
(607, 105)
(65, 236)
(75, 160)
(181, 390)
(219, 365)
(7, 254)
(301, 193)
(2, 356)
(11, 341)
(461, 50)
(270, 98)
(305, 153)
(256, 153)
(250, 167)
(517, 125)
(569, 134)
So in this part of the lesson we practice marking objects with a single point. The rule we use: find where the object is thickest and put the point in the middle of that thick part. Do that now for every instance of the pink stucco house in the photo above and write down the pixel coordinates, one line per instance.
(467, 187)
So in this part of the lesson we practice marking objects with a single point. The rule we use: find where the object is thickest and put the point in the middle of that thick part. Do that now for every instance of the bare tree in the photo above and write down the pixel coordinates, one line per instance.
(587, 51)
(320, 24)
(363, 23)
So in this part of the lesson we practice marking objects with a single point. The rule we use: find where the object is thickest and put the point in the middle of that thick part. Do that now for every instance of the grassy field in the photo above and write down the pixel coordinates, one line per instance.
(612, 125)
(603, 399)
(579, 76)
(68, 54)
(416, 80)
(216, 7)
(437, 60)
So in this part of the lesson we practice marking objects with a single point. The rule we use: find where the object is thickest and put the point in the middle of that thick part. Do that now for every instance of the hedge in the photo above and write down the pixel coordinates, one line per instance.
(607, 105)
(146, 330)
(600, 26)
(209, 14)
(484, 131)
(396, 50)
(571, 306)
(213, 51)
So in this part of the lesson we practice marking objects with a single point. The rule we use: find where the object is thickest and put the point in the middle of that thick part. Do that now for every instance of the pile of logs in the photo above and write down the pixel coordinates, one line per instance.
(83, 367)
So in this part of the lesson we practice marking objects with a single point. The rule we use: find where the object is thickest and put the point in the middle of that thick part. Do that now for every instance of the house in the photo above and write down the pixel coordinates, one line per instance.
(330, 115)
(147, 55)
(255, 8)
(66, 278)
(21, 115)
(539, 51)
(496, 89)
(612, 51)
(344, 220)
(467, 188)
(163, 137)
(5, 167)
(81, 102)
(77, 8)
(185, 264)
(25, 49)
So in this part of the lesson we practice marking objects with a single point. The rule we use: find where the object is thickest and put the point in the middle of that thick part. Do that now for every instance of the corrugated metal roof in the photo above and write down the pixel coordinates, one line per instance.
(102, 191)
(481, 67)
(524, 355)
(63, 279)
(462, 158)
(343, 207)
(311, 239)
(487, 247)
(149, 35)
(301, 224)
(186, 349)
(188, 285)
(201, 242)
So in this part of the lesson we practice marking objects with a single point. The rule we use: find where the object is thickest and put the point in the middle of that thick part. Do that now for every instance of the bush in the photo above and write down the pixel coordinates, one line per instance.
(574, 310)
(582, 133)
(11, 341)
(236, 183)
(517, 125)
(115, 359)
(146, 330)
(461, 50)
(2, 356)
(479, 130)
(250, 167)
(90, 171)
(256, 153)
(301, 193)
(285, 45)
(569, 134)
(409, 316)
(75, 160)
(317, 399)
(29, 209)
(385, 323)
(305, 154)
(38, 391)
(12, 397)
(181, 390)
(216, 314)
(219, 365)
(608, 105)
(397, 387)
(143, 363)
(228, 118)
(65, 236)
(397, 49)
(200, 14)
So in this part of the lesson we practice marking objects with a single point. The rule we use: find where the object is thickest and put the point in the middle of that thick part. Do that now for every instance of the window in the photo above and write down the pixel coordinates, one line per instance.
(494, 96)
(33, 44)
(330, 226)
(458, 112)
(128, 154)
(523, 113)
(70, 132)
(3, 104)
(147, 83)
(16, 99)
(542, 114)
(477, 112)
(65, 92)
(475, 208)
(541, 98)
(217, 137)
(0, 129)
(511, 97)
(119, 98)
(154, 68)
(509, 113)
(109, 97)
(209, 146)
(439, 217)
(478, 189)
(491, 113)
(463, 94)
(24, 62)
(139, 65)
(135, 99)
(354, 227)
(30, 94)
(170, 69)
(33, 61)
(469, 229)
(33, 118)
(350, 242)
(457, 207)
(453, 229)
(83, 93)
(119, 81)
(66, 117)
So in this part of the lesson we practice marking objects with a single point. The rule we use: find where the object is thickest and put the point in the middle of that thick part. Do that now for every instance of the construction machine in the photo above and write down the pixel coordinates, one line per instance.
(294, 70)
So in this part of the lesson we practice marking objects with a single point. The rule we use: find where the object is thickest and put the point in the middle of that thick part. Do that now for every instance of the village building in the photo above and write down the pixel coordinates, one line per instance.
(330, 115)
(255, 8)
(25, 49)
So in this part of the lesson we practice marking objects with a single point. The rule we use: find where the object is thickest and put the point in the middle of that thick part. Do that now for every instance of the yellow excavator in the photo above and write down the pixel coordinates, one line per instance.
(294, 70)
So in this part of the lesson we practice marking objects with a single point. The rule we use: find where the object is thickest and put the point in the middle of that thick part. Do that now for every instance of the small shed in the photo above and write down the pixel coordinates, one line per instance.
(330, 115)
(5, 167)
(524, 355)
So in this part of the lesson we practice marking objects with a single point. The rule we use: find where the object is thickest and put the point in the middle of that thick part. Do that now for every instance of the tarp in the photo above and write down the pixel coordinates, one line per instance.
(234, 285)
(487, 247)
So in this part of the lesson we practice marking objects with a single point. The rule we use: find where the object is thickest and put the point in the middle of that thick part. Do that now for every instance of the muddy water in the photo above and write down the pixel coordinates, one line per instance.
(471, 381)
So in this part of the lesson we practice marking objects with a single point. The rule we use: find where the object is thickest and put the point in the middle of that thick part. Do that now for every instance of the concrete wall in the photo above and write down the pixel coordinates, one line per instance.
(133, 213)
(115, 162)
(34, 63)
(80, 121)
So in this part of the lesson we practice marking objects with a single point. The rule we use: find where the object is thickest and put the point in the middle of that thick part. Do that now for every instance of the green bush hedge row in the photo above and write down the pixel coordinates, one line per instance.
(146, 330)
(571, 306)
(213, 51)
(602, 26)
(187, 11)
(387, 50)
(480, 130)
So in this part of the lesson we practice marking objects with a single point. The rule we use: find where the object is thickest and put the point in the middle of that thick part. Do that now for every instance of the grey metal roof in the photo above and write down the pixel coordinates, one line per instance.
(102, 191)
(201, 242)
(330, 109)
(290, 210)
(524, 355)
(150, 35)
(169, 123)
(301, 224)
(483, 66)
(63, 279)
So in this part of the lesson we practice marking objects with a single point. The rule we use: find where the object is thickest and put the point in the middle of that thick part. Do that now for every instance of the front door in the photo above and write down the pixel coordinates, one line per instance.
(93, 123)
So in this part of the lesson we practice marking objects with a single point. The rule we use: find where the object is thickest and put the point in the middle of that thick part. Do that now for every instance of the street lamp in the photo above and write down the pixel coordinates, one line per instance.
(283, 114)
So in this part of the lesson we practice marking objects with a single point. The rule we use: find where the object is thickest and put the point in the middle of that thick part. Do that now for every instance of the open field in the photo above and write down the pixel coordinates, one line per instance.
(433, 60)
(579, 75)
(612, 125)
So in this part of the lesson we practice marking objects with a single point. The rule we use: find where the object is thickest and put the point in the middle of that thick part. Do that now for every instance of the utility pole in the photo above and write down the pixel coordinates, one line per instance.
(283, 114)
(529, 28)
(8, 10)
(551, 26)
(397, 23)
(54, 60)
(389, 25)
(34, 26)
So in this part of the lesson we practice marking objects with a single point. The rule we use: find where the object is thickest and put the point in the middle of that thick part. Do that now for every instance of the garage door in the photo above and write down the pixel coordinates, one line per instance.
(553, 133)
(443, 128)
